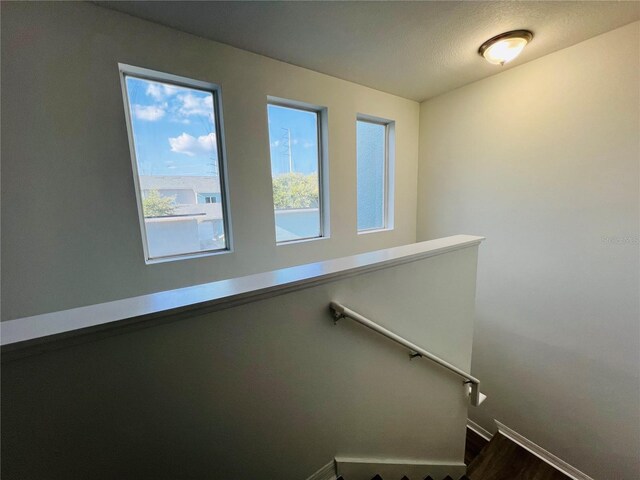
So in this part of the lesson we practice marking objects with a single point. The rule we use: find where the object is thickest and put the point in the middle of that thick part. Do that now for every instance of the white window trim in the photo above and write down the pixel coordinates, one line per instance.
(388, 183)
(147, 74)
(323, 164)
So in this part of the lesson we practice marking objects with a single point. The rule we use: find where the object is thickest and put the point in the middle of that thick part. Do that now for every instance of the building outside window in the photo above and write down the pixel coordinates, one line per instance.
(208, 197)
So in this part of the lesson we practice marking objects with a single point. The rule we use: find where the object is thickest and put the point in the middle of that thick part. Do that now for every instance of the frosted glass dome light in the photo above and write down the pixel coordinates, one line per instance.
(505, 47)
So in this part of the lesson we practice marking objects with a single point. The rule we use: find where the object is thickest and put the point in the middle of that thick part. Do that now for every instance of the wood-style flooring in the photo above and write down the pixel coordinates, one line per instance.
(501, 459)
(474, 445)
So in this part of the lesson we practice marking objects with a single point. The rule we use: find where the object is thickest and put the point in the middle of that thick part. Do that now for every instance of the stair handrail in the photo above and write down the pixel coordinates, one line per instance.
(340, 311)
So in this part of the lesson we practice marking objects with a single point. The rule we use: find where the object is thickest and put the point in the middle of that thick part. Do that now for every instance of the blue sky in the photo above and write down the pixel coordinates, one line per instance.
(303, 128)
(173, 129)
(174, 132)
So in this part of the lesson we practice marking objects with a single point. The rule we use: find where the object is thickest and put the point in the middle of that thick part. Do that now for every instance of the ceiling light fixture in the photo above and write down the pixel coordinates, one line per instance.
(505, 47)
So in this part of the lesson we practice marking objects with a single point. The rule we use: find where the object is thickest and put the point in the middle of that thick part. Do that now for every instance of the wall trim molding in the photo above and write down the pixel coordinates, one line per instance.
(327, 472)
(367, 468)
(541, 453)
(486, 434)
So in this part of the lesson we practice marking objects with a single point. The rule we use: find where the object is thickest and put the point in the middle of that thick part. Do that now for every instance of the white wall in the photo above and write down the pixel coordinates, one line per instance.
(270, 389)
(70, 232)
(543, 161)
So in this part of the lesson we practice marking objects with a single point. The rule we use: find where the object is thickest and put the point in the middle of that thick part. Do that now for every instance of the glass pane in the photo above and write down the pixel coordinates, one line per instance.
(293, 135)
(174, 134)
(371, 175)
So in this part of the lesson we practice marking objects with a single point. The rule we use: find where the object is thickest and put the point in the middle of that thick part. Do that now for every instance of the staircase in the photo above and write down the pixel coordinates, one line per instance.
(498, 459)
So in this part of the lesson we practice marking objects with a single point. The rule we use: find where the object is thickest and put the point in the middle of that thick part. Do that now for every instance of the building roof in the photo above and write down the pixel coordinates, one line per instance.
(180, 182)
(200, 212)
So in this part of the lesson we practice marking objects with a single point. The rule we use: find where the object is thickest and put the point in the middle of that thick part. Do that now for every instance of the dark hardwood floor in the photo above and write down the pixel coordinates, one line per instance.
(502, 459)
(474, 445)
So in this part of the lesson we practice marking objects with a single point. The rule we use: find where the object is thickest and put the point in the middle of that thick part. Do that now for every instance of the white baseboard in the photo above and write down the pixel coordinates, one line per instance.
(541, 453)
(366, 468)
(328, 472)
(486, 434)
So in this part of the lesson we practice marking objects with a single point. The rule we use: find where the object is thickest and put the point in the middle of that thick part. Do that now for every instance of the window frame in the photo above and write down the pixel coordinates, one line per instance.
(388, 173)
(323, 167)
(216, 92)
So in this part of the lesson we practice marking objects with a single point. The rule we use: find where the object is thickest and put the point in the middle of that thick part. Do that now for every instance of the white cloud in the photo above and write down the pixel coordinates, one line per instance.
(275, 143)
(191, 146)
(160, 91)
(150, 113)
(192, 105)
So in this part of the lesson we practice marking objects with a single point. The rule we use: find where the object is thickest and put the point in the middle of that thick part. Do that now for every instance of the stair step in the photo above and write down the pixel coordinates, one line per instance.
(502, 458)
(378, 477)
(473, 446)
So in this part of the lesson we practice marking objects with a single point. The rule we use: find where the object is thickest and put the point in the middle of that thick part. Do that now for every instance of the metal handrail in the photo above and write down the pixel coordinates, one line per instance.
(340, 311)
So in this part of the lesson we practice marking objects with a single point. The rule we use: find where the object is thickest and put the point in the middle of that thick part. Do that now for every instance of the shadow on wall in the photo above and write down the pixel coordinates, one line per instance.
(576, 388)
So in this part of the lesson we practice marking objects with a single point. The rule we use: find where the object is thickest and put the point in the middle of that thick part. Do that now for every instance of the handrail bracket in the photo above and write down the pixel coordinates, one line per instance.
(338, 316)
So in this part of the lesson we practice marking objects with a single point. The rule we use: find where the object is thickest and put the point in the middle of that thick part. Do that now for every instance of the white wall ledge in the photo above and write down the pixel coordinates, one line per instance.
(28, 331)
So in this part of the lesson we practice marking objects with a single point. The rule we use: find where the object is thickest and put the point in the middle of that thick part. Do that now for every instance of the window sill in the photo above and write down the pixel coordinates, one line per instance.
(302, 240)
(187, 256)
(374, 230)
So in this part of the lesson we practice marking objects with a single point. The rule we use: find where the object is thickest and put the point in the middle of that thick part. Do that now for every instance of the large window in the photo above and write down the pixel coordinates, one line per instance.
(296, 167)
(373, 169)
(176, 148)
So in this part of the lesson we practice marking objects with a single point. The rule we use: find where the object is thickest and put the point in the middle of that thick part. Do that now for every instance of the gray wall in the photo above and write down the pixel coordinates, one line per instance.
(543, 161)
(70, 233)
(270, 389)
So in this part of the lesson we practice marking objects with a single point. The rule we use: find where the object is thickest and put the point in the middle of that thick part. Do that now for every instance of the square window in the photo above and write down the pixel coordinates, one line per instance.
(174, 131)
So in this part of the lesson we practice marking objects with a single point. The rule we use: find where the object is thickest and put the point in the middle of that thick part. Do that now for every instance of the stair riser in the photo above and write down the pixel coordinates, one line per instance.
(366, 469)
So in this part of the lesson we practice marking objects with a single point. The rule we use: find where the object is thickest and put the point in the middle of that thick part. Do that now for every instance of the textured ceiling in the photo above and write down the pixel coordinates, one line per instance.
(413, 49)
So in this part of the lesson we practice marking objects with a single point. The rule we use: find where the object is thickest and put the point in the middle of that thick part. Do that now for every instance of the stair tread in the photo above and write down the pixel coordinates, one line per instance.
(473, 446)
(503, 459)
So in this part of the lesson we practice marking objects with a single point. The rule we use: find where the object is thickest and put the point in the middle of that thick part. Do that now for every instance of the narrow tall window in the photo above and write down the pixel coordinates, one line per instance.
(177, 156)
(373, 139)
(296, 170)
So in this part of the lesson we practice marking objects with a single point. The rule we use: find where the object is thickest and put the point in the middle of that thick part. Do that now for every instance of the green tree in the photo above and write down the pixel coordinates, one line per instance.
(155, 205)
(295, 190)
